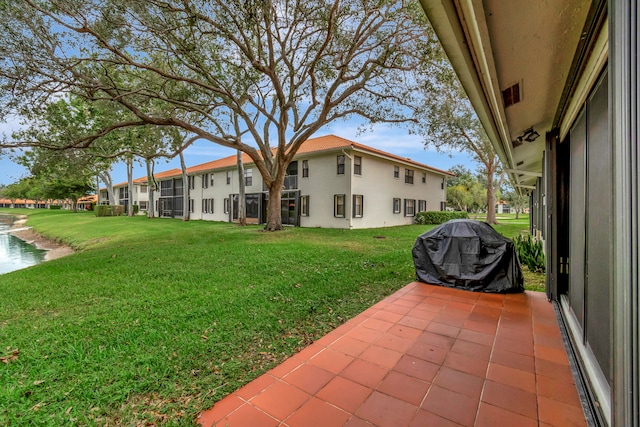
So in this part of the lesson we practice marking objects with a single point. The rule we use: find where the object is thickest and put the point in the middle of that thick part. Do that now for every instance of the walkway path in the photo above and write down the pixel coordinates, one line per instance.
(425, 356)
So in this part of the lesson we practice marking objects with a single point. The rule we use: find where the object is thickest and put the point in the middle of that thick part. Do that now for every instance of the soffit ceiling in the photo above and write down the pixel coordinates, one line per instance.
(494, 44)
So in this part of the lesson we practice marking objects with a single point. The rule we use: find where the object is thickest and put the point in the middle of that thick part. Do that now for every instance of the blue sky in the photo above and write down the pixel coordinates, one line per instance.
(383, 137)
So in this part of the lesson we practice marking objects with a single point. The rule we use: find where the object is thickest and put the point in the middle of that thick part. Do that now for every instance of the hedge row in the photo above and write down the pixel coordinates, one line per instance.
(109, 210)
(438, 217)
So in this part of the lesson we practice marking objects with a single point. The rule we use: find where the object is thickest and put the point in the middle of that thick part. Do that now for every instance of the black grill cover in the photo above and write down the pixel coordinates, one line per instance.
(469, 255)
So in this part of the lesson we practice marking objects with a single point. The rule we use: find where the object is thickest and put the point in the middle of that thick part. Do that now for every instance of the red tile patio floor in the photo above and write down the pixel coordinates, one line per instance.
(424, 356)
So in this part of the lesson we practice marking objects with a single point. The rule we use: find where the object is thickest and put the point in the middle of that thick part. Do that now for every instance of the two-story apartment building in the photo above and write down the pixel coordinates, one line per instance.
(332, 182)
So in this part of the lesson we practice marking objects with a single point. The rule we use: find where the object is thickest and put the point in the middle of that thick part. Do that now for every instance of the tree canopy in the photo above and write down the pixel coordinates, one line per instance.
(257, 76)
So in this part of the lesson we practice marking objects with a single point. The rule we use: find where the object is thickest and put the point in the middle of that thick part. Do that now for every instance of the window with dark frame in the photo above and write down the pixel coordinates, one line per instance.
(211, 180)
(338, 205)
(396, 206)
(442, 184)
(305, 168)
(304, 205)
(424, 178)
(228, 177)
(248, 177)
(226, 205)
(191, 180)
(396, 171)
(358, 205)
(192, 204)
(422, 205)
(408, 176)
(409, 207)
(340, 164)
(205, 180)
(357, 165)
(144, 189)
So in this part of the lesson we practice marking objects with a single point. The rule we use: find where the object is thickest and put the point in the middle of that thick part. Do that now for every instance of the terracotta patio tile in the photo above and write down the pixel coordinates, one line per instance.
(285, 367)
(493, 312)
(383, 410)
(394, 342)
(256, 386)
(413, 322)
(484, 327)
(559, 391)
(512, 377)
(381, 356)
(428, 352)
(280, 400)
(461, 306)
(510, 398)
(521, 346)
(470, 365)
(405, 331)
(220, 410)
(309, 352)
(549, 341)
(404, 387)
(400, 309)
(417, 368)
(483, 318)
(460, 382)
(365, 373)
(550, 330)
(442, 329)
(377, 324)
(449, 320)
(492, 416)
(433, 305)
(247, 415)
(422, 314)
(476, 337)
(387, 316)
(428, 419)
(513, 360)
(358, 422)
(344, 394)
(349, 346)
(437, 340)
(559, 414)
(471, 349)
(317, 413)
(309, 378)
(560, 372)
(332, 361)
(555, 355)
(453, 406)
(364, 334)
(407, 302)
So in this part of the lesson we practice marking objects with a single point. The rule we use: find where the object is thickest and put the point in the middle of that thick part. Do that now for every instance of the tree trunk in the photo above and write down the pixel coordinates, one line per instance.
(274, 213)
(130, 187)
(108, 182)
(242, 200)
(491, 198)
(185, 190)
(151, 189)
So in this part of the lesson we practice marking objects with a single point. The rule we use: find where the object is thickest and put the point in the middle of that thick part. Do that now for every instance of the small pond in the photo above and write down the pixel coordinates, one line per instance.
(15, 253)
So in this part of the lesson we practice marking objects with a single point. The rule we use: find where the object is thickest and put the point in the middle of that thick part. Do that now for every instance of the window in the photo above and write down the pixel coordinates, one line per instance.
(192, 204)
(304, 205)
(205, 180)
(442, 184)
(358, 205)
(226, 205)
(338, 205)
(357, 165)
(443, 206)
(396, 206)
(248, 177)
(144, 206)
(191, 180)
(408, 176)
(409, 207)
(211, 182)
(396, 171)
(144, 189)
(340, 162)
(422, 205)
(305, 168)
(424, 178)
(228, 177)
(207, 205)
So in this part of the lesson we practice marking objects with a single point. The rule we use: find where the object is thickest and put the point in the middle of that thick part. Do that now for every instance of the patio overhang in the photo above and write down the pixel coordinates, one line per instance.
(513, 62)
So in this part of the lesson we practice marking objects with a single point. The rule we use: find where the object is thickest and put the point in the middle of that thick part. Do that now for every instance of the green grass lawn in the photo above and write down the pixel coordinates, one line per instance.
(155, 320)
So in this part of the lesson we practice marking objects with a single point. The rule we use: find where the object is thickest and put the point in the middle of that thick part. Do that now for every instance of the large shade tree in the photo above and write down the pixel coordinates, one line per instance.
(282, 69)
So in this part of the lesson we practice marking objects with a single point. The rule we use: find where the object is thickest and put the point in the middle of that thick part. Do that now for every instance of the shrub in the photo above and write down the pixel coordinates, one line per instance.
(109, 210)
(438, 217)
(530, 252)
(55, 207)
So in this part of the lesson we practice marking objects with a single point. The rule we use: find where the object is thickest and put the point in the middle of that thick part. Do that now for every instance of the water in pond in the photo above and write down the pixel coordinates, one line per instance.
(14, 253)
